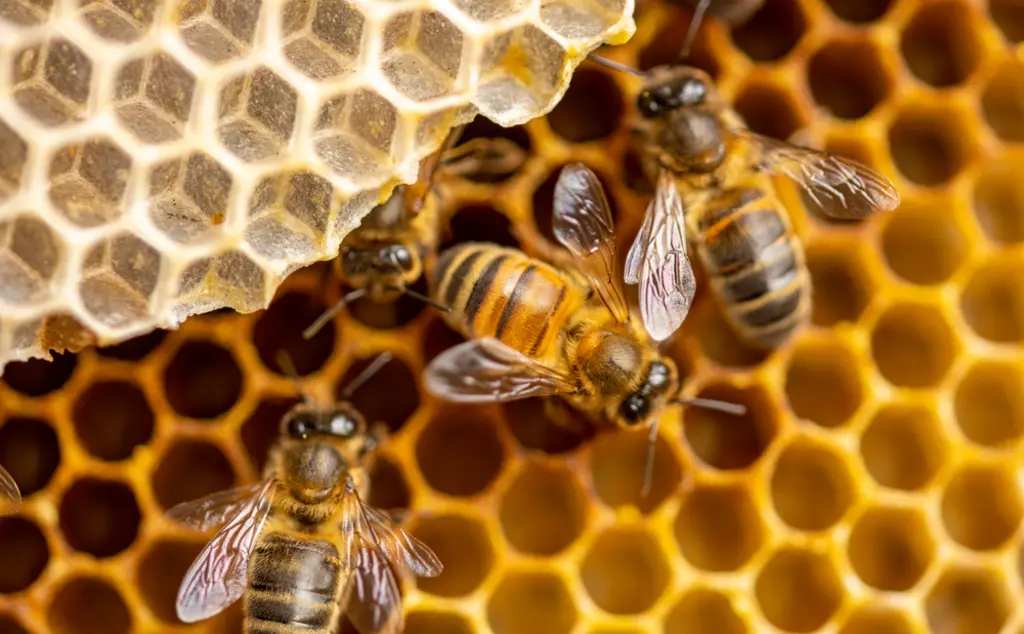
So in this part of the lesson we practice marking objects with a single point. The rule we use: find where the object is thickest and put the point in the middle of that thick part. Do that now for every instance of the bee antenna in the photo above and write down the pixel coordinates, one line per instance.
(604, 61)
(722, 406)
(329, 314)
(652, 439)
(284, 361)
(423, 298)
(691, 32)
(375, 366)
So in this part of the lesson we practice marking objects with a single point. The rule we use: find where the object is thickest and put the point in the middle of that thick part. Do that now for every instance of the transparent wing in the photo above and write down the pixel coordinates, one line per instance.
(483, 157)
(402, 548)
(658, 262)
(217, 578)
(583, 224)
(834, 186)
(214, 510)
(8, 487)
(488, 371)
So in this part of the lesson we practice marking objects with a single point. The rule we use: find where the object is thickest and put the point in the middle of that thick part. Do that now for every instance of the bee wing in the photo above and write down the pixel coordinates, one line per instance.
(488, 371)
(218, 576)
(835, 186)
(402, 548)
(483, 157)
(658, 262)
(583, 224)
(214, 510)
(8, 487)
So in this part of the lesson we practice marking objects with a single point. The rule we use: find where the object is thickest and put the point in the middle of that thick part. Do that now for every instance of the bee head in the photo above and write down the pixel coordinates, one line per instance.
(660, 381)
(320, 445)
(668, 89)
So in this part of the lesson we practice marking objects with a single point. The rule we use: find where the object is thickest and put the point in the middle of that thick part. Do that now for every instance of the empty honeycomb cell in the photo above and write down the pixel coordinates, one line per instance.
(134, 349)
(999, 201)
(38, 378)
(589, 88)
(543, 511)
(769, 109)
(88, 605)
(993, 301)
(111, 419)
(8, 625)
(859, 11)
(940, 44)
(289, 214)
(519, 68)
(217, 31)
(529, 422)
(798, 590)
(280, 328)
(257, 115)
(25, 554)
(848, 77)
(968, 601)
(625, 571)
(424, 622)
(263, 428)
(389, 489)
(725, 441)
(902, 448)
(571, 20)
(890, 548)
(1001, 101)
(88, 181)
(981, 507)
(923, 243)
(811, 486)
(667, 45)
(30, 452)
(459, 453)
(718, 527)
(618, 463)
(403, 398)
(99, 517)
(871, 619)
(531, 603)
(119, 21)
(208, 471)
(13, 154)
(465, 548)
(480, 223)
(424, 54)
(52, 81)
(705, 611)
(337, 24)
(202, 380)
(772, 32)
(1008, 17)
(487, 10)
(189, 197)
(119, 277)
(989, 407)
(159, 573)
(154, 98)
(930, 144)
(822, 382)
(913, 345)
(841, 282)
(30, 256)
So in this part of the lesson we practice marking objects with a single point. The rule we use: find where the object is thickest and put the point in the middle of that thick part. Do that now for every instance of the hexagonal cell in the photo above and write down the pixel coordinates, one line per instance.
(706, 611)
(30, 452)
(233, 274)
(989, 404)
(769, 109)
(981, 507)
(289, 213)
(88, 180)
(544, 509)
(772, 32)
(111, 418)
(119, 277)
(930, 144)
(859, 11)
(519, 71)
(799, 590)
(25, 13)
(992, 302)
(355, 133)
(464, 547)
(1008, 17)
(154, 97)
(534, 425)
(968, 601)
(913, 345)
(209, 471)
(323, 37)
(25, 554)
(811, 486)
(52, 81)
(725, 441)
(120, 21)
(189, 197)
(400, 384)
(202, 380)
(99, 517)
(159, 572)
(625, 571)
(848, 77)
(531, 603)
(890, 548)
(84, 605)
(877, 619)
(718, 527)
(13, 154)
(423, 54)
(999, 199)
(587, 88)
(36, 377)
(423, 622)
(1001, 103)
(618, 462)
(280, 328)
(665, 46)
(134, 349)
(823, 382)
(903, 447)
(460, 453)
(218, 30)
(30, 256)
(941, 45)
(923, 244)
(257, 115)
(389, 489)
(263, 427)
(490, 10)
(573, 20)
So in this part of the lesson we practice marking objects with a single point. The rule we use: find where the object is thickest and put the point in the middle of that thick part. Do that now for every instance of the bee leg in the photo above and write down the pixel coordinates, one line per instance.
(557, 411)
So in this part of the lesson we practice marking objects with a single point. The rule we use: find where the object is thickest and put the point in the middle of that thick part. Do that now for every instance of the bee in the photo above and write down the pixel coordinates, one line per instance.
(536, 330)
(385, 256)
(8, 489)
(302, 546)
(714, 187)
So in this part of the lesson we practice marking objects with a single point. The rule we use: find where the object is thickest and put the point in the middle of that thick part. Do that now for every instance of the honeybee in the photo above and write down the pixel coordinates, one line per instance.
(302, 546)
(714, 186)
(8, 489)
(385, 256)
(537, 330)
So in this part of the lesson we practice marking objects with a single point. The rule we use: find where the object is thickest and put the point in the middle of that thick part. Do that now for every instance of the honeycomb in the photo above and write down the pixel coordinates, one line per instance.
(161, 158)
(873, 486)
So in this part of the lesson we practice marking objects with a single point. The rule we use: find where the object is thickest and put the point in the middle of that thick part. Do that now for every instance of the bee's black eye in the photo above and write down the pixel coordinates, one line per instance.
(301, 427)
(633, 409)
(342, 425)
(402, 257)
(671, 95)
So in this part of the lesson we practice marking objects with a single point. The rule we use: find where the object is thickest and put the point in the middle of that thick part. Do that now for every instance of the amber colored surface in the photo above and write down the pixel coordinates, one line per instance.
(872, 489)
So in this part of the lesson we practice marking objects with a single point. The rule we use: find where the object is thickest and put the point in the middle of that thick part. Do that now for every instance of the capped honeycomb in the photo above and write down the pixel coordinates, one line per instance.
(162, 158)
(873, 486)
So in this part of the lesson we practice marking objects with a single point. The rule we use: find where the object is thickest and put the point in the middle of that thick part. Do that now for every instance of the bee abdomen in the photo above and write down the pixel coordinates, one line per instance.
(293, 583)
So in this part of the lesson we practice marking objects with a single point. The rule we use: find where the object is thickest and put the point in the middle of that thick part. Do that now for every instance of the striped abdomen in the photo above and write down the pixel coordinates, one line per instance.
(497, 292)
(293, 586)
(756, 266)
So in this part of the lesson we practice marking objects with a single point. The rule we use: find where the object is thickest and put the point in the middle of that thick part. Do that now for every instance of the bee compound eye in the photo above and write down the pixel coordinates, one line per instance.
(342, 425)
(300, 428)
(693, 92)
